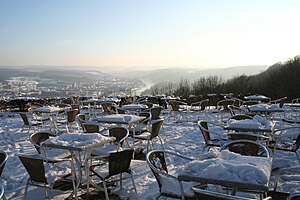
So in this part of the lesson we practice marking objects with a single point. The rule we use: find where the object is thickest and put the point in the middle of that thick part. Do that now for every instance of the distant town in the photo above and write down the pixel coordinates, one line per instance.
(27, 87)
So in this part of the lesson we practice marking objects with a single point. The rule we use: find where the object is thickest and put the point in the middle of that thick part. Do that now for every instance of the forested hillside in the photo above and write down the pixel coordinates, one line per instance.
(279, 80)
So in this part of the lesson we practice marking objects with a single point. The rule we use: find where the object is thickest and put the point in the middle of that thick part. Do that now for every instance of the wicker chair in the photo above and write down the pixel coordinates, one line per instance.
(75, 106)
(234, 110)
(279, 101)
(91, 128)
(223, 104)
(206, 133)
(35, 166)
(152, 134)
(121, 111)
(178, 108)
(142, 125)
(285, 176)
(223, 108)
(201, 105)
(120, 133)
(80, 119)
(282, 144)
(36, 116)
(29, 124)
(70, 120)
(107, 108)
(115, 167)
(169, 185)
(155, 112)
(52, 155)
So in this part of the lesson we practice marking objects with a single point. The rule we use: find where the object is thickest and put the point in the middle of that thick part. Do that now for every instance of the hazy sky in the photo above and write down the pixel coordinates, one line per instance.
(126, 33)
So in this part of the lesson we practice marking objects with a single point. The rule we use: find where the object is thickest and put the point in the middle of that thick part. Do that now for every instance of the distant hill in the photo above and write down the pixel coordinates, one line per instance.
(67, 75)
(175, 74)
(277, 81)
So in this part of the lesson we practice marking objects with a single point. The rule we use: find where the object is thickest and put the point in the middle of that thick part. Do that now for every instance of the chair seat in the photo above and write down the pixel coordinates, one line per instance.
(138, 130)
(56, 172)
(106, 150)
(57, 154)
(144, 136)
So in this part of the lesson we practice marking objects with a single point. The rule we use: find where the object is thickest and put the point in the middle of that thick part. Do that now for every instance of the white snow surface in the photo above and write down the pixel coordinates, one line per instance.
(226, 165)
(256, 123)
(79, 139)
(183, 137)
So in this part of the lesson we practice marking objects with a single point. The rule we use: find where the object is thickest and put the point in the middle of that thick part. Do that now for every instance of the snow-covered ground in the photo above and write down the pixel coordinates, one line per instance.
(182, 136)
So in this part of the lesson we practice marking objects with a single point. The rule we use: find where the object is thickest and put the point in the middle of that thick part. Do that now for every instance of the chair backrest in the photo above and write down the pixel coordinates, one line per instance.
(75, 106)
(155, 112)
(80, 119)
(155, 128)
(282, 101)
(203, 104)
(91, 128)
(214, 99)
(3, 159)
(35, 168)
(246, 148)
(223, 104)
(25, 119)
(117, 167)
(231, 109)
(72, 115)
(203, 126)
(107, 107)
(235, 110)
(120, 133)
(147, 115)
(174, 105)
(37, 138)
(121, 111)
(156, 160)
